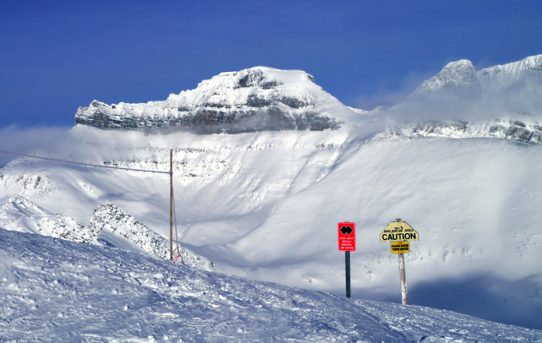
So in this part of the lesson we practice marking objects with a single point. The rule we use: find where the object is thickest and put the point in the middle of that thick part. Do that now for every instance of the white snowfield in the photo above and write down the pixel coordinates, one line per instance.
(264, 205)
(54, 290)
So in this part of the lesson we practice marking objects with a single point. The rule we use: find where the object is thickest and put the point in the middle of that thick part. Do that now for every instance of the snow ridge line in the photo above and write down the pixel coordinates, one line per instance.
(85, 164)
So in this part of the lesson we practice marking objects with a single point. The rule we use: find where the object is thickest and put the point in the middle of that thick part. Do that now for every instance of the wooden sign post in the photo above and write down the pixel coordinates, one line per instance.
(398, 233)
(346, 234)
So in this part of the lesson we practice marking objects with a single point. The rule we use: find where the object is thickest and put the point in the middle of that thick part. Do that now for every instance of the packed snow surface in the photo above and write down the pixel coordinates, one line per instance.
(55, 290)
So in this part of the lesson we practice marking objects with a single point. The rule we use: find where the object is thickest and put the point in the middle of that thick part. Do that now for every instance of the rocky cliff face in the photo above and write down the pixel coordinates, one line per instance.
(254, 99)
(512, 130)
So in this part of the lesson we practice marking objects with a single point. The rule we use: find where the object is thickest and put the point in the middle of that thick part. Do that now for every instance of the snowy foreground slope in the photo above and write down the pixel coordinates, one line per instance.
(265, 204)
(55, 290)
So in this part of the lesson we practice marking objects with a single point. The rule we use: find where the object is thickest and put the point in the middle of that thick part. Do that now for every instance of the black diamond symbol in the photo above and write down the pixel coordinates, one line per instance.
(346, 230)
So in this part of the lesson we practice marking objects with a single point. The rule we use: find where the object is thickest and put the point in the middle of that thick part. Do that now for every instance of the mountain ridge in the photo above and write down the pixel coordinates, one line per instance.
(109, 225)
(462, 73)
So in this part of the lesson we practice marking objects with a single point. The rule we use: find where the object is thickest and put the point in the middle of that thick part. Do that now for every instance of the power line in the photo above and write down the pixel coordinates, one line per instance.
(85, 164)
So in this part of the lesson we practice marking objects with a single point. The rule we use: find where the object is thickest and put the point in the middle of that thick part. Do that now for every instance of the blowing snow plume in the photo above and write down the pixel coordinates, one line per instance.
(460, 96)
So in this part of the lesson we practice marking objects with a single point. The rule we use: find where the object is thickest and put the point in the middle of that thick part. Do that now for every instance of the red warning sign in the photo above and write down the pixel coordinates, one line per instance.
(346, 232)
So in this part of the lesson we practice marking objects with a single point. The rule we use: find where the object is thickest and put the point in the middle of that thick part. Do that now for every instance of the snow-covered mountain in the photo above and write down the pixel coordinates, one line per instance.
(55, 290)
(253, 99)
(264, 204)
(503, 101)
(462, 74)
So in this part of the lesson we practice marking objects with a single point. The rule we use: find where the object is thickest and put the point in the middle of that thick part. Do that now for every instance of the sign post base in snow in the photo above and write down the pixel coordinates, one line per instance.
(346, 233)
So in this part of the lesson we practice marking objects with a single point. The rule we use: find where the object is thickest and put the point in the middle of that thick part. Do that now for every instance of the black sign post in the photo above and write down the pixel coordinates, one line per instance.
(346, 232)
(347, 266)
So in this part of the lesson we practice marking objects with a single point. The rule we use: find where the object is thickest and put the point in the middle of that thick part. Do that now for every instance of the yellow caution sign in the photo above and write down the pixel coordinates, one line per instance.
(400, 247)
(399, 230)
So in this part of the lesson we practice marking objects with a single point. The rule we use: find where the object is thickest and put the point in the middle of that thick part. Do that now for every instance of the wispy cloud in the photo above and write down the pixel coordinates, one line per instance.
(28, 140)
(514, 97)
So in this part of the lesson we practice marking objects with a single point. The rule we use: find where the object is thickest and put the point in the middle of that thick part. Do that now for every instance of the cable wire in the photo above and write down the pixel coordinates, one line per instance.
(85, 164)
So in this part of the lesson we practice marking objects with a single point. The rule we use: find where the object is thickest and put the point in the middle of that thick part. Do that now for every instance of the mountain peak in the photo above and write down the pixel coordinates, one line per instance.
(255, 87)
(454, 74)
(532, 62)
(266, 77)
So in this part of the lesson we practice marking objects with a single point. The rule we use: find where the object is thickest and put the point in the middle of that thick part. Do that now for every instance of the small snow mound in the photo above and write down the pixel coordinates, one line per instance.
(21, 214)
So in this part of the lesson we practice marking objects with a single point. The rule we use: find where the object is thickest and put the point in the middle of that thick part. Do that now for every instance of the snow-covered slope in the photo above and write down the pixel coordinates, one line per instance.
(265, 205)
(254, 99)
(58, 290)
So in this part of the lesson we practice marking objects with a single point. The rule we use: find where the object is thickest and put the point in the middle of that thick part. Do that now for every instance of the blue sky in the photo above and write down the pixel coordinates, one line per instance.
(57, 55)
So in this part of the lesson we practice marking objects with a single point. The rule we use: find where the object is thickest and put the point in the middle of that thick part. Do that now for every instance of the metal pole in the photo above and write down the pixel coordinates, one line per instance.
(171, 204)
(347, 266)
(403, 279)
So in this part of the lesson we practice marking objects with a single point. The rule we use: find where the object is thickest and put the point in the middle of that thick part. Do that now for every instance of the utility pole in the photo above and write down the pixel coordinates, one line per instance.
(171, 204)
